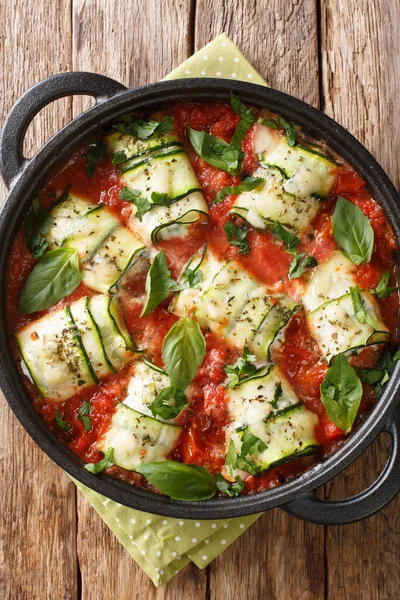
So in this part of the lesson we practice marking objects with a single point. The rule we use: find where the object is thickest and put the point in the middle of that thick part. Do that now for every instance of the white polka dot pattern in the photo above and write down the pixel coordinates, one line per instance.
(163, 546)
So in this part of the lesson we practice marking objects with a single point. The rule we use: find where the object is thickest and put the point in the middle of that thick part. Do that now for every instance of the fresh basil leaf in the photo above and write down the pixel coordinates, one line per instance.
(218, 153)
(143, 129)
(183, 352)
(236, 236)
(245, 465)
(160, 199)
(180, 481)
(251, 444)
(289, 130)
(382, 290)
(117, 158)
(271, 123)
(231, 458)
(83, 415)
(192, 277)
(61, 423)
(107, 461)
(241, 369)
(97, 151)
(168, 403)
(215, 151)
(159, 284)
(396, 356)
(246, 121)
(37, 224)
(361, 314)
(134, 197)
(142, 204)
(248, 184)
(379, 375)
(352, 231)
(289, 240)
(277, 395)
(300, 263)
(128, 194)
(230, 489)
(309, 262)
(55, 276)
(341, 393)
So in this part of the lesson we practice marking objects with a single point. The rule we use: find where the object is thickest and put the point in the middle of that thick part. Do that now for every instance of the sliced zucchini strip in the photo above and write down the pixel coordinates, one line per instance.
(117, 343)
(65, 216)
(165, 170)
(90, 231)
(133, 147)
(307, 171)
(288, 435)
(52, 352)
(146, 383)
(91, 338)
(329, 280)
(258, 397)
(112, 260)
(208, 264)
(221, 304)
(269, 203)
(271, 324)
(336, 329)
(106, 248)
(267, 406)
(231, 303)
(74, 347)
(295, 179)
(138, 439)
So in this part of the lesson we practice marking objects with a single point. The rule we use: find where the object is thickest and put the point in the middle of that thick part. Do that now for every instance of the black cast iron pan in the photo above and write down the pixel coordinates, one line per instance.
(25, 177)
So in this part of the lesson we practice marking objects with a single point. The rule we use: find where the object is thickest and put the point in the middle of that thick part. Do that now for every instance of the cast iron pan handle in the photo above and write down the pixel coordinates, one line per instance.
(12, 161)
(374, 498)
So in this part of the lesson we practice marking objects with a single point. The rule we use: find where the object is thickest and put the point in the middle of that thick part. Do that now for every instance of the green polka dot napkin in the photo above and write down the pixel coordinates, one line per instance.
(160, 545)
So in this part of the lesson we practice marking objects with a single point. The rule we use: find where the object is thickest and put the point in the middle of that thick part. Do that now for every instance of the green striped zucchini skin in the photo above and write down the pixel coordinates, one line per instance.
(160, 165)
(107, 249)
(330, 313)
(75, 347)
(281, 421)
(335, 327)
(295, 180)
(134, 148)
(138, 439)
(233, 304)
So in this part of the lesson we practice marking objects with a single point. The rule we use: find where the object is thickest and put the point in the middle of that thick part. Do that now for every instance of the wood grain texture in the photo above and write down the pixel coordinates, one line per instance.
(37, 508)
(137, 41)
(280, 41)
(360, 56)
(156, 38)
(278, 558)
(278, 37)
(108, 572)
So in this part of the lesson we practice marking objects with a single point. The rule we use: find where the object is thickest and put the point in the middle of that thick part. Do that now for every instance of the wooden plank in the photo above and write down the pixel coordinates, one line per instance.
(361, 73)
(279, 39)
(37, 507)
(132, 41)
(362, 559)
(278, 558)
(360, 87)
(154, 39)
(108, 571)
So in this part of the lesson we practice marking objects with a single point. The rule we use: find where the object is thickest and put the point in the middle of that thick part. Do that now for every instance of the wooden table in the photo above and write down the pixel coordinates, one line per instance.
(340, 55)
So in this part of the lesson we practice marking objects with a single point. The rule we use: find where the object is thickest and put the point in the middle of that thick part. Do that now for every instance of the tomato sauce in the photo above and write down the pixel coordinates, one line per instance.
(203, 439)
